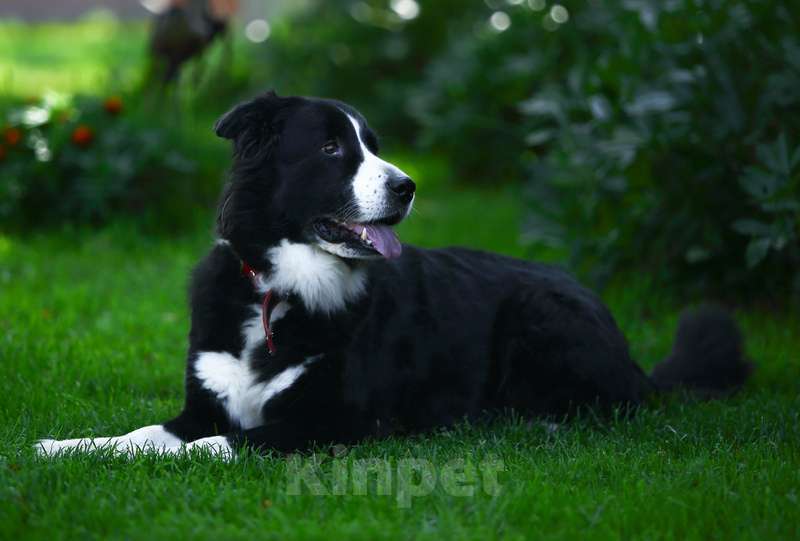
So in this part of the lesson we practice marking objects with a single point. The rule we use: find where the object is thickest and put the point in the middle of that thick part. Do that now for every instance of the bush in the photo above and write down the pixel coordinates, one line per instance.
(81, 159)
(675, 146)
(362, 52)
(474, 86)
(656, 136)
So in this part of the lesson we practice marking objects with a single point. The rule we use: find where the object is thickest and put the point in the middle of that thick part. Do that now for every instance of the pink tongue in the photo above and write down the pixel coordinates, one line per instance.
(383, 239)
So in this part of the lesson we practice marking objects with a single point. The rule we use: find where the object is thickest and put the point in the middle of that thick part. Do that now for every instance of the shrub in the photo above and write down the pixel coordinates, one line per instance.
(657, 136)
(672, 144)
(362, 52)
(80, 159)
(474, 86)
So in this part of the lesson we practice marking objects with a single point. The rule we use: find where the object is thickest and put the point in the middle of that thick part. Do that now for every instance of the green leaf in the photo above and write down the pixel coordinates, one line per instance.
(776, 157)
(795, 158)
(758, 183)
(756, 251)
(539, 137)
(542, 106)
(697, 254)
(753, 228)
(789, 205)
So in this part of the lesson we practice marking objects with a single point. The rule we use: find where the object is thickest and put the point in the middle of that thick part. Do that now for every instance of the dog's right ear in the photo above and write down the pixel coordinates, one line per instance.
(250, 124)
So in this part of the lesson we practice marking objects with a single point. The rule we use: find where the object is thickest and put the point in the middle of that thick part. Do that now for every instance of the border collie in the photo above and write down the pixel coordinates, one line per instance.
(311, 324)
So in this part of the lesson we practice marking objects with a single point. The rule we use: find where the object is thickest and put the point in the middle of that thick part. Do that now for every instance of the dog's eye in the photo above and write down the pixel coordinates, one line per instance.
(331, 148)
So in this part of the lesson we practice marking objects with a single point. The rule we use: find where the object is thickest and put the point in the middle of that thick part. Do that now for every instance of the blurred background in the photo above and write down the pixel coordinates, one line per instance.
(620, 138)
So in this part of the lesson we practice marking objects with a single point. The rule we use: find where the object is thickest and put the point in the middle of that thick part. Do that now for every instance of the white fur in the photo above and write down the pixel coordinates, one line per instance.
(323, 281)
(235, 385)
(369, 182)
(280, 310)
(214, 445)
(148, 438)
(238, 387)
(253, 330)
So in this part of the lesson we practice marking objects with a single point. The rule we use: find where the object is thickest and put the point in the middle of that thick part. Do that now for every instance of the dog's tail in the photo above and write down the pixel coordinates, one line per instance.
(708, 355)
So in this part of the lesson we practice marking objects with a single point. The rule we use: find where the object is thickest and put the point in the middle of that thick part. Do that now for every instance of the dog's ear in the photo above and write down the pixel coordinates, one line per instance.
(250, 124)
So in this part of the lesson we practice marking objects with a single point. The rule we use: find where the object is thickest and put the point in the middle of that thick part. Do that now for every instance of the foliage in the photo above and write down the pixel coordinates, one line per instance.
(447, 80)
(474, 86)
(673, 145)
(361, 52)
(80, 159)
(660, 135)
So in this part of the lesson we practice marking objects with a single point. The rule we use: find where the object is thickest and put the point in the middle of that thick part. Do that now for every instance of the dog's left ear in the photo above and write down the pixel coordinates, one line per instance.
(250, 125)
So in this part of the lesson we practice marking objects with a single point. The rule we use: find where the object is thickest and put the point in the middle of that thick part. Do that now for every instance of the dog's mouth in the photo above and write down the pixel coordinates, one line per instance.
(357, 239)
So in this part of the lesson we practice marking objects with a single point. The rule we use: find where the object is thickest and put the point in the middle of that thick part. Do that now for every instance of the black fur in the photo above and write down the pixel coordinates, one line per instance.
(438, 335)
(707, 356)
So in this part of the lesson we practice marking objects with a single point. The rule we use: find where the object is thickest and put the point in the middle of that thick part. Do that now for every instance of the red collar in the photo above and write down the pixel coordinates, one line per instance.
(266, 305)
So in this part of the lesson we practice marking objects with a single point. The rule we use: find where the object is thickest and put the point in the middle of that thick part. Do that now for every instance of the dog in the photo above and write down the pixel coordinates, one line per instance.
(311, 324)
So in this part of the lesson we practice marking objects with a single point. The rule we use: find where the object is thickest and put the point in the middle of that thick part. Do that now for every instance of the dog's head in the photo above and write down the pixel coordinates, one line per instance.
(307, 170)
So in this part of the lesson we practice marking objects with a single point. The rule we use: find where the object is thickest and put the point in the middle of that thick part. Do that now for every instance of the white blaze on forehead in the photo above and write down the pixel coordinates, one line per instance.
(369, 182)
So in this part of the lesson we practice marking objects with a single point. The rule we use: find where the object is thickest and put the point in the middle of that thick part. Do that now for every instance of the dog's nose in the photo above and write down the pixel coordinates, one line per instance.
(403, 187)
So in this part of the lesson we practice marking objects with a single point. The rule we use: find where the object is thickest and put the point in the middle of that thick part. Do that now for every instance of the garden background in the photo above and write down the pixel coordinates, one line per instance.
(651, 147)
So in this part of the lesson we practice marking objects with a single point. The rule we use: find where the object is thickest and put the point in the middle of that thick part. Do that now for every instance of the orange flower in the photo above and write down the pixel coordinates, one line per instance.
(2, 153)
(12, 136)
(82, 136)
(113, 105)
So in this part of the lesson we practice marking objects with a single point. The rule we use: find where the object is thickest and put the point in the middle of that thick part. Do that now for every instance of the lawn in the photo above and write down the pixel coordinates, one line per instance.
(83, 57)
(94, 326)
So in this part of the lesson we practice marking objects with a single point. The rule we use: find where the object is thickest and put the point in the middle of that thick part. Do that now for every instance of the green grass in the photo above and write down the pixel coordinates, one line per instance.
(93, 336)
(85, 57)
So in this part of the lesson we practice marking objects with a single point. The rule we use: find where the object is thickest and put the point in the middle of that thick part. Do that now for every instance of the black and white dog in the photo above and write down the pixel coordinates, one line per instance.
(311, 324)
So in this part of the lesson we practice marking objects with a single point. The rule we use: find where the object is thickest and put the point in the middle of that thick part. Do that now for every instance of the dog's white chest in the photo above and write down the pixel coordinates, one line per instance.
(240, 389)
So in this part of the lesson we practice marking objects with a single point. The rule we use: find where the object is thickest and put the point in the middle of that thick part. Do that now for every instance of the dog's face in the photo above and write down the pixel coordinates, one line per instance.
(308, 170)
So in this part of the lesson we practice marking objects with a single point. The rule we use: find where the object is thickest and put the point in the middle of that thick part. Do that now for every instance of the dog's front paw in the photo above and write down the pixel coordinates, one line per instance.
(215, 445)
(47, 447)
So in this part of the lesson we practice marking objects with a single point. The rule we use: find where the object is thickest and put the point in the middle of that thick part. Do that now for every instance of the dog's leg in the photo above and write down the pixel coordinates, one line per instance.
(148, 438)
(202, 416)
(305, 424)
(295, 426)
(312, 413)
(196, 425)
(284, 436)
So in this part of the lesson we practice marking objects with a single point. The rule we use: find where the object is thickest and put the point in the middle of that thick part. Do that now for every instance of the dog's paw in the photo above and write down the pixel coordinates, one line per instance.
(43, 447)
(50, 448)
(217, 446)
(47, 447)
